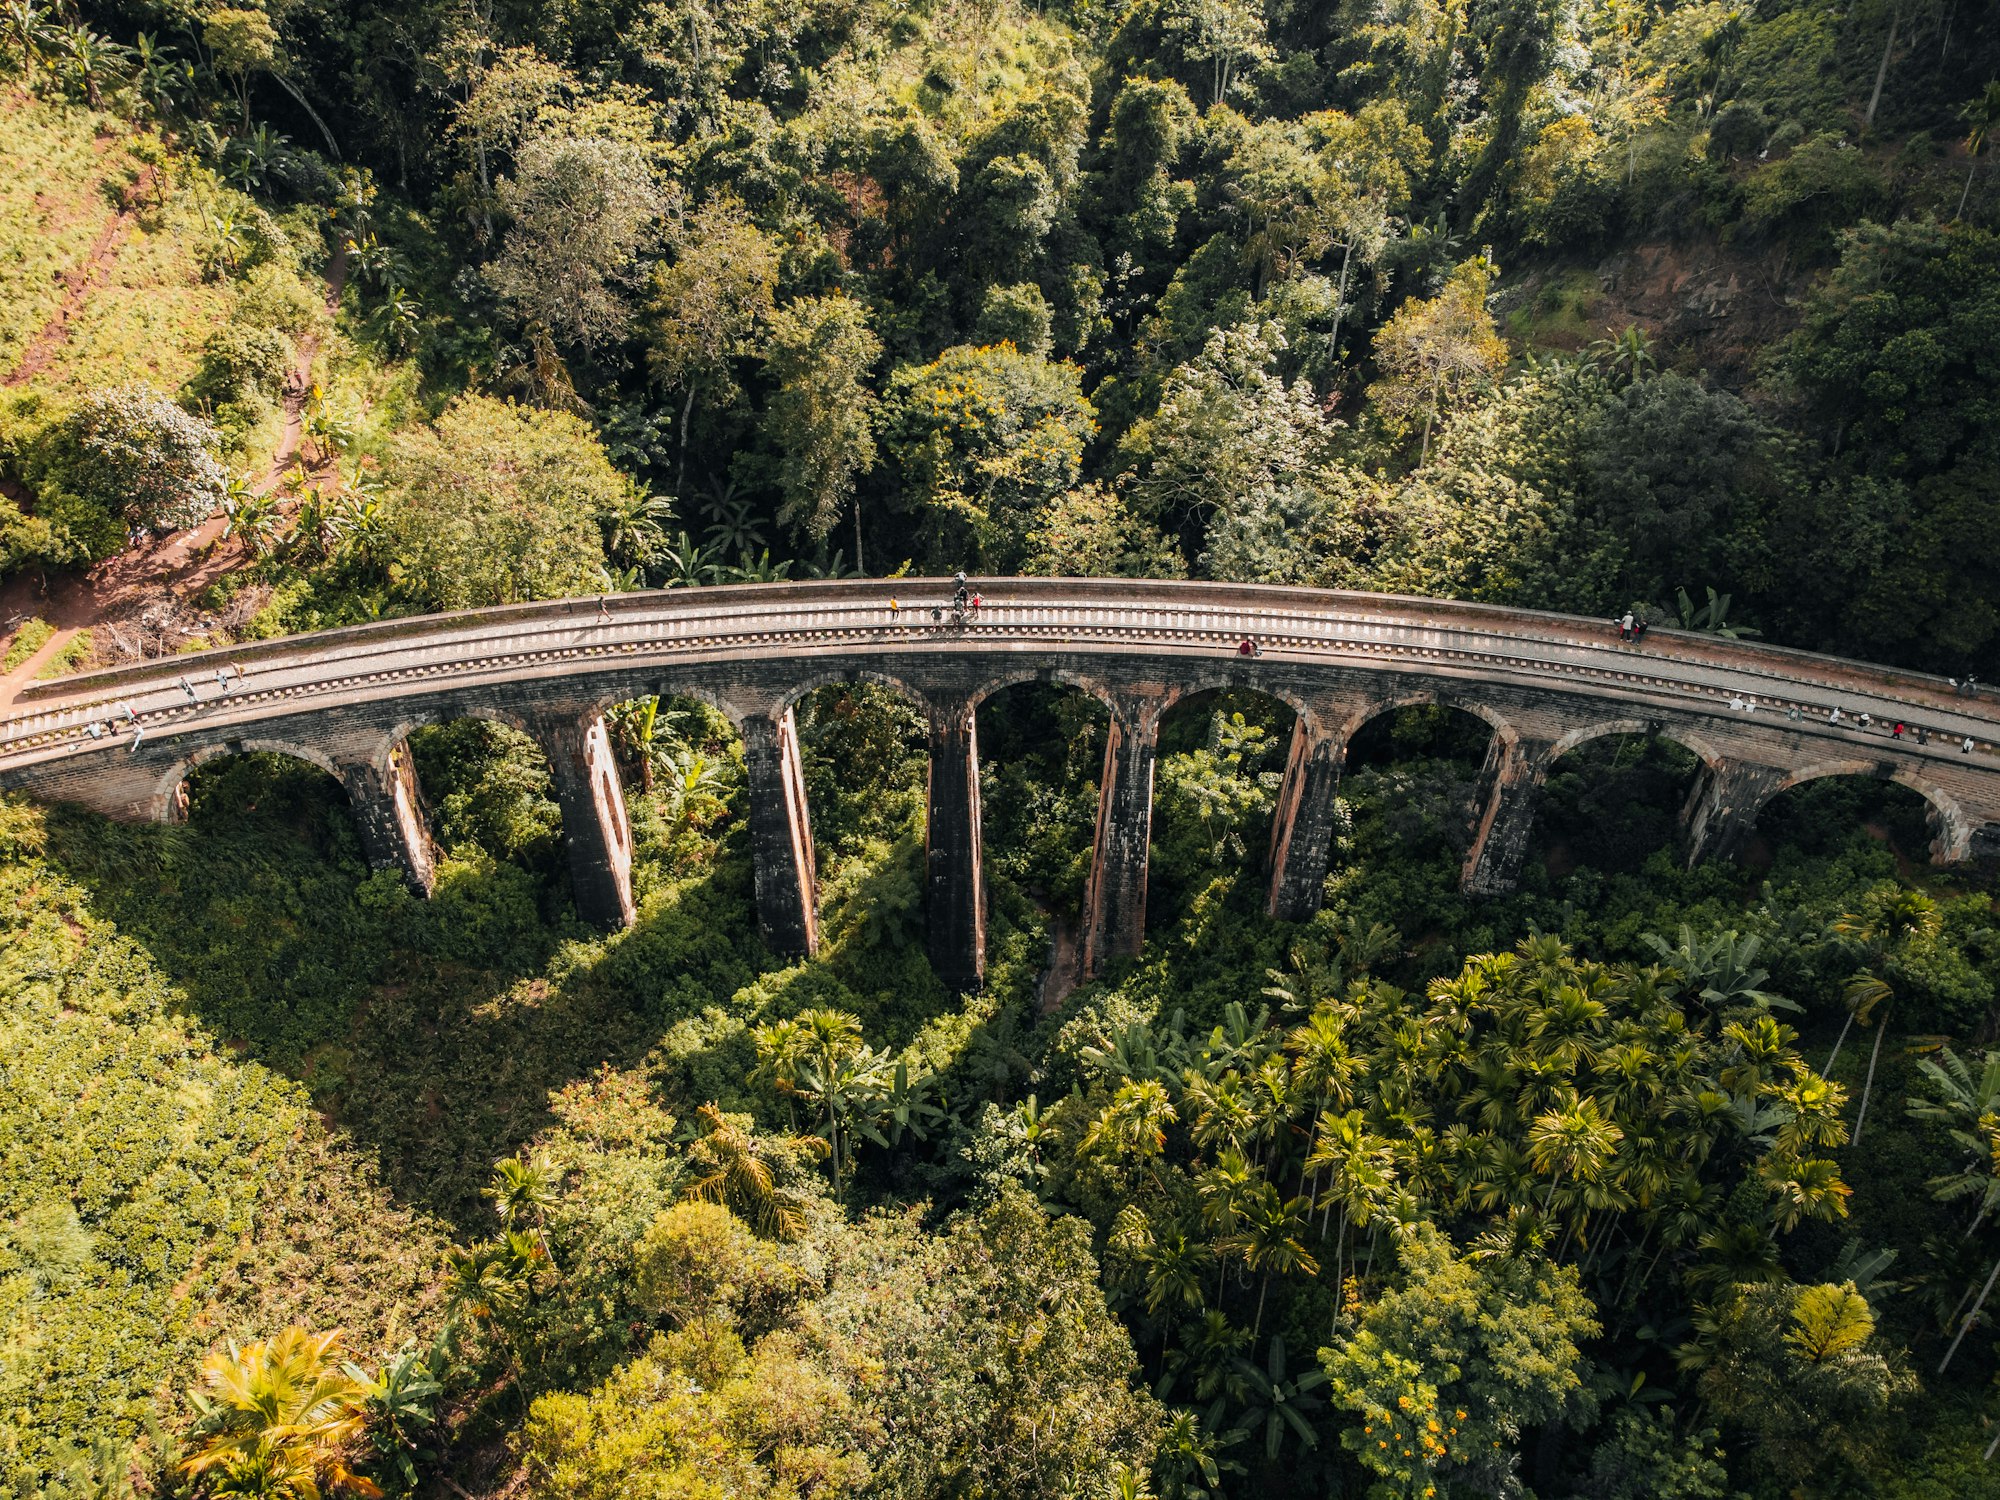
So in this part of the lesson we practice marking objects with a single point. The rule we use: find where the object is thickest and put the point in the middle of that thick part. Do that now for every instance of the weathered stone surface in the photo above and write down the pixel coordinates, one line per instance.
(1303, 825)
(1723, 806)
(389, 817)
(1513, 776)
(781, 835)
(597, 835)
(1114, 902)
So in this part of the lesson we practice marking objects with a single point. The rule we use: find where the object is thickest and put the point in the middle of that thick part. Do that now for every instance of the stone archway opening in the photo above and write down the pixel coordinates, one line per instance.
(1611, 802)
(679, 764)
(1415, 781)
(864, 748)
(1041, 753)
(1221, 768)
(489, 794)
(279, 790)
(1843, 813)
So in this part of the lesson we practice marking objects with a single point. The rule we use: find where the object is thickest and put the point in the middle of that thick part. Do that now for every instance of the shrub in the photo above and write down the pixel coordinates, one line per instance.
(125, 455)
(240, 362)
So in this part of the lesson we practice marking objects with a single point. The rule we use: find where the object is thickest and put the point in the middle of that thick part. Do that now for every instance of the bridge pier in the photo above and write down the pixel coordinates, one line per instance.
(1514, 775)
(781, 843)
(956, 896)
(389, 818)
(1114, 901)
(597, 836)
(1723, 808)
(1303, 826)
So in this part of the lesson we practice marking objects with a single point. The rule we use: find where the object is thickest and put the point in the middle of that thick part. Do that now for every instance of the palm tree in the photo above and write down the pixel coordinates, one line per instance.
(1223, 1118)
(1803, 1189)
(480, 1283)
(1189, 1466)
(521, 1192)
(1323, 1069)
(1982, 117)
(1970, 1108)
(1362, 1176)
(277, 1418)
(1221, 1194)
(1133, 1126)
(1904, 918)
(1575, 1142)
(842, 1076)
(734, 1168)
(1269, 1242)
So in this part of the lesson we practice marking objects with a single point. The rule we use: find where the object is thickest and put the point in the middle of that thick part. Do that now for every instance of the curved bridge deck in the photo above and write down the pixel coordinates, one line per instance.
(1761, 718)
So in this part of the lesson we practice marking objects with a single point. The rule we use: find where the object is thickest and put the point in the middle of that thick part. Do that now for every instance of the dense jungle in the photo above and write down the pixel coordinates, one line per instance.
(1641, 1181)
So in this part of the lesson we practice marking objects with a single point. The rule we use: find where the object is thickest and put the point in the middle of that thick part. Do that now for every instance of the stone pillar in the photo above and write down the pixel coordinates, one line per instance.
(1302, 828)
(955, 912)
(389, 817)
(596, 833)
(1114, 902)
(781, 843)
(1514, 775)
(1723, 808)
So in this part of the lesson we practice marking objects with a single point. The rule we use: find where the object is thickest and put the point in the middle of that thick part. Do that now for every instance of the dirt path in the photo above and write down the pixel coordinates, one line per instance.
(79, 282)
(299, 382)
(161, 570)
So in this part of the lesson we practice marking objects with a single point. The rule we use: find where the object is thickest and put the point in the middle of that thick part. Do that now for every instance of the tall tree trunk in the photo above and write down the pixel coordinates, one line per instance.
(1882, 1028)
(1882, 72)
(687, 414)
(1971, 1317)
(311, 114)
(1838, 1042)
(1340, 300)
(859, 566)
(1262, 1292)
(1971, 167)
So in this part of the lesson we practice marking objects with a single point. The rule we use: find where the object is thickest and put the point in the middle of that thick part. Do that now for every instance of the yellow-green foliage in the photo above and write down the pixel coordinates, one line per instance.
(58, 185)
(963, 66)
(66, 659)
(29, 639)
(696, 1417)
(196, 257)
(156, 1193)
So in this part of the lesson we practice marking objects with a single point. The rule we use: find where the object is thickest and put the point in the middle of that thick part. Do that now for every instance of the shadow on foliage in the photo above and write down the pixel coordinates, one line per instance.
(432, 1032)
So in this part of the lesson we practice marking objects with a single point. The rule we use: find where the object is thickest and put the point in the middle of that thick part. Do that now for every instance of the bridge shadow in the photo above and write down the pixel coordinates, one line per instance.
(431, 1033)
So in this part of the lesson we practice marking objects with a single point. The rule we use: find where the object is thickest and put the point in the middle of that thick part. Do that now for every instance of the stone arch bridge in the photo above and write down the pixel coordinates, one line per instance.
(1760, 718)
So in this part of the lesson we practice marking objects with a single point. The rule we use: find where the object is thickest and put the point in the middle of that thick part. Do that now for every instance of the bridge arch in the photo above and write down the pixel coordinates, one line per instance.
(1696, 744)
(1951, 828)
(1015, 676)
(166, 792)
(385, 745)
(1505, 734)
(806, 686)
(1237, 682)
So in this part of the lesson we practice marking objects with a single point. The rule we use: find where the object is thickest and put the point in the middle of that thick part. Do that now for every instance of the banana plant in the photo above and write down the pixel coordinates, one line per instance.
(1281, 1400)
